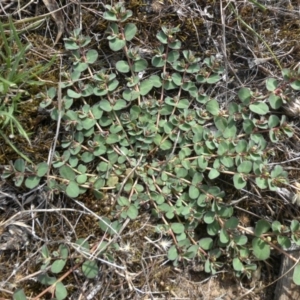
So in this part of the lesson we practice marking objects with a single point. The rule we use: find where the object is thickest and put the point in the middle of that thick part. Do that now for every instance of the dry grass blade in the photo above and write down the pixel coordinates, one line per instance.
(57, 16)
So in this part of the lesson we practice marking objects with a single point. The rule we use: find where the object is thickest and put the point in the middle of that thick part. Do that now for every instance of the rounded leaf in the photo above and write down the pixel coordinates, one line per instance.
(116, 44)
(224, 236)
(58, 265)
(206, 243)
(245, 167)
(72, 189)
(261, 227)
(90, 269)
(19, 295)
(67, 173)
(177, 228)
(172, 253)
(260, 249)
(122, 66)
(19, 180)
(237, 265)
(212, 106)
(146, 86)
(296, 274)
(193, 192)
(32, 182)
(132, 212)
(232, 223)
(120, 104)
(105, 105)
(60, 291)
(42, 169)
(296, 85)
(91, 56)
(130, 31)
(271, 84)
(19, 165)
(244, 95)
(213, 173)
(140, 65)
(259, 108)
(275, 101)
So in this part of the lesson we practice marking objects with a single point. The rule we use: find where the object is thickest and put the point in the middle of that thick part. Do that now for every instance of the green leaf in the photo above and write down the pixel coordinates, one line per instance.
(212, 106)
(72, 189)
(183, 103)
(273, 121)
(81, 179)
(245, 167)
(232, 223)
(237, 265)
(209, 217)
(214, 78)
(112, 85)
(67, 173)
(123, 201)
(140, 65)
(296, 274)
(206, 243)
(284, 241)
(224, 236)
(116, 44)
(46, 279)
(73, 94)
(132, 212)
(19, 164)
(63, 251)
(42, 169)
(130, 31)
(213, 228)
(259, 108)
(122, 66)
(193, 192)
(91, 56)
(177, 228)
(162, 37)
(112, 139)
(58, 265)
(172, 253)
(146, 86)
(240, 240)
(120, 104)
(275, 101)
(244, 95)
(87, 157)
(260, 249)
(19, 295)
(60, 291)
(238, 181)
(213, 173)
(90, 269)
(105, 105)
(110, 16)
(262, 183)
(166, 145)
(296, 85)
(130, 95)
(261, 227)
(156, 81)
(271, 84)
(32, 182)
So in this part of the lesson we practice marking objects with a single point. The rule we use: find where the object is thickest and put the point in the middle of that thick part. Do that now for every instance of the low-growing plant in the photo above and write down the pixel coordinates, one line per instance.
(147, 133)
